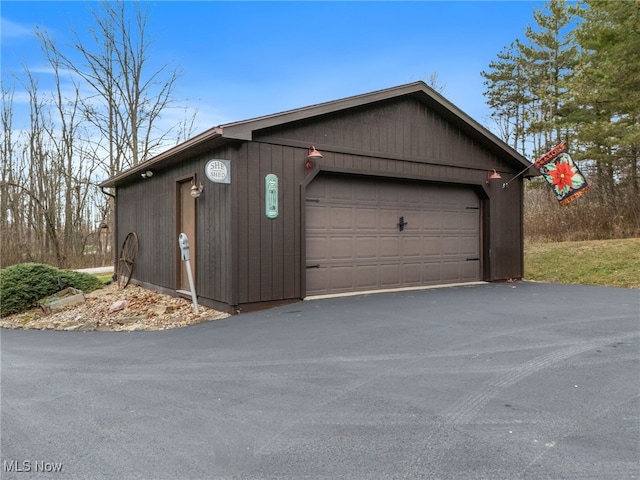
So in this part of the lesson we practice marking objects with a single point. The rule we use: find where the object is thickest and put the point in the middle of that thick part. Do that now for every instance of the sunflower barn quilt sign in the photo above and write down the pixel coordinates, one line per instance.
(562, 174)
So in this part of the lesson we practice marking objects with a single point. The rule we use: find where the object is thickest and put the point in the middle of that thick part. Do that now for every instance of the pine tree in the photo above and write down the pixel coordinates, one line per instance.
(507, 95)
(550, 54)
(527, 84)
(607, 93)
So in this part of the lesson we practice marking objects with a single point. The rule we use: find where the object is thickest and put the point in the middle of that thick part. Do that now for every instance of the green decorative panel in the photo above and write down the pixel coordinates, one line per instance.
(271, 196)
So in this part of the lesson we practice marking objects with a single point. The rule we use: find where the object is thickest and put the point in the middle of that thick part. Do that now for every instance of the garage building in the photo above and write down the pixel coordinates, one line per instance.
(390, 189)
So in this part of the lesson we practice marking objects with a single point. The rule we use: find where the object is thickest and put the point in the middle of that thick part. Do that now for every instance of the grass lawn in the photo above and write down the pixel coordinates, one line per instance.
(614, 263)
(104, 277)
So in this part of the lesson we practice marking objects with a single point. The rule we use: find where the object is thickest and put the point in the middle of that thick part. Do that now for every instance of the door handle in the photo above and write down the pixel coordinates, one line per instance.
(402, 224)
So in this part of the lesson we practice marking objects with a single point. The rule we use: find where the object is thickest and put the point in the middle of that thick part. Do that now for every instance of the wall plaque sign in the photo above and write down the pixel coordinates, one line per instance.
(218, 171)
(271, 196)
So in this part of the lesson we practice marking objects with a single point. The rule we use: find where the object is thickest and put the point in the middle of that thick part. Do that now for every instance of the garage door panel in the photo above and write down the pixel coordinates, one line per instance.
(339, 189)
(432, 246)
(450, 271)
(341, 248)
(366, 277)
(412, 274)
(365, 193)
(366, 247)
(366, 219)
(341, 218)
(390, 275)
(449, 199)
(389, 247)
(341, 277)
(413, 219)
(318, 279)
(388, 194)
(317, 217)
(469, 220)
(450, 245)
(433, 221)
(388, 220)
(317, 190)
(318, 248)
(470, 270)
(412, 196)
(450, 221)
(412, 246)
(469, 246)
(353, 234)
(431, 273)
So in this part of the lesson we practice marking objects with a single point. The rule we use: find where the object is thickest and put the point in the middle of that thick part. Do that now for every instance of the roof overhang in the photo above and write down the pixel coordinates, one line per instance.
(199, 144)
(244, 130)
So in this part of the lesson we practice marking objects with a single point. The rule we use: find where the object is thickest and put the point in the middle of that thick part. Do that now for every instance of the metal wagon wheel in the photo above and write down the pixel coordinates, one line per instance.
(127, 259)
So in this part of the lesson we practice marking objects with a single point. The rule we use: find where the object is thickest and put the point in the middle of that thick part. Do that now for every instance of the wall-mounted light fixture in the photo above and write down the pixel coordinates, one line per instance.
(196, 190)
(312, 155)
(147, 174)
(492, 175)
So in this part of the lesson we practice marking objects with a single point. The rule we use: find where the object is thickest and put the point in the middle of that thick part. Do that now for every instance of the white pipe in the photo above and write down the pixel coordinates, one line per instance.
(194, 298)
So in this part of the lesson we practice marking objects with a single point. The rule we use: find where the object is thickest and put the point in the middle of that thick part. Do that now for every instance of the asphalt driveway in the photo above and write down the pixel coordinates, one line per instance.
(495, 381)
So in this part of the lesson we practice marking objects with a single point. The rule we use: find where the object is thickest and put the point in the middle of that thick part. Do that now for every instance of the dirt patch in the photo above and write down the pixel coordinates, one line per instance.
(114, 309)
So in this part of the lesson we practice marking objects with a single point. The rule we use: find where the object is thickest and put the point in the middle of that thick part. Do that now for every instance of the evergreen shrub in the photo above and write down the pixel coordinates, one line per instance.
(21, 286)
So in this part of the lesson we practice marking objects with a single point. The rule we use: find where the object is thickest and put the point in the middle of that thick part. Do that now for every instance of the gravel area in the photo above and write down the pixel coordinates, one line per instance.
(113, 309)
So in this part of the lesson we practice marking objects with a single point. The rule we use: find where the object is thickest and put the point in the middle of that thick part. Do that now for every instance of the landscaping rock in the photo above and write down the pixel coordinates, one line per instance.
(130, 320)
(142, 310)
(117, 306)
(88, 326)
(157, 310)
(64, 298)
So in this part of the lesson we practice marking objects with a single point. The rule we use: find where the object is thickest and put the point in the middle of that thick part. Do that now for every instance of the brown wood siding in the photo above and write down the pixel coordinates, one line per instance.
(268, 250)
(506, 231)
(214, 242)
(215, 246)
(148, 208)
(403, 129)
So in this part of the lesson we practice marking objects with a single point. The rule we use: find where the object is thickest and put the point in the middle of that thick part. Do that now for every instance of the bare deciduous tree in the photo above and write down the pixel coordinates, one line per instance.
(101, 115)
(127, 95)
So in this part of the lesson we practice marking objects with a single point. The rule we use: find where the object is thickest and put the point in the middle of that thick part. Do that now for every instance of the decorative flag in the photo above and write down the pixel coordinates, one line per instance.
(564, 177)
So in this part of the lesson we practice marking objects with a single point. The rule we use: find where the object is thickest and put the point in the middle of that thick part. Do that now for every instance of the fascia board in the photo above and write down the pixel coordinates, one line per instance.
(164, 157)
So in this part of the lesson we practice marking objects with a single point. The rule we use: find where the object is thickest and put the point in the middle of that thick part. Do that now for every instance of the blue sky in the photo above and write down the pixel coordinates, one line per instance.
(245, 59)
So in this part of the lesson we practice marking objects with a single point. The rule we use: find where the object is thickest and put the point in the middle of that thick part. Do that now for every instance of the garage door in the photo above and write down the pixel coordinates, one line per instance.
(368, 234)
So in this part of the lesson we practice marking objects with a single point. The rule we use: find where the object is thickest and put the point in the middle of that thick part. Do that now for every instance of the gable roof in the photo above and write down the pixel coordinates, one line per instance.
(244, 129)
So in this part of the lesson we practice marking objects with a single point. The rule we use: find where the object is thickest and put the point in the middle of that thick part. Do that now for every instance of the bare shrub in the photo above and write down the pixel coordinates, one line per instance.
(591, 217)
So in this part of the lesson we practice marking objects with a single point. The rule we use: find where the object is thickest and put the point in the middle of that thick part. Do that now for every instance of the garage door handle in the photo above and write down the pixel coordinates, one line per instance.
(313, 266)
(402, 223)
(473, 259)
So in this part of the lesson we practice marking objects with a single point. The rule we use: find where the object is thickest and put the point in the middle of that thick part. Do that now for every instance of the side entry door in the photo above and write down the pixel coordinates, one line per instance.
(186, 222)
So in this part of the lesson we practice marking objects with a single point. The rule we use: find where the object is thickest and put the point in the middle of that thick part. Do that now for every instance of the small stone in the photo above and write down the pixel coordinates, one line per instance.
(117, 306)
(130, 320)
(136, 327)
(88, 326)
(157, 309)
